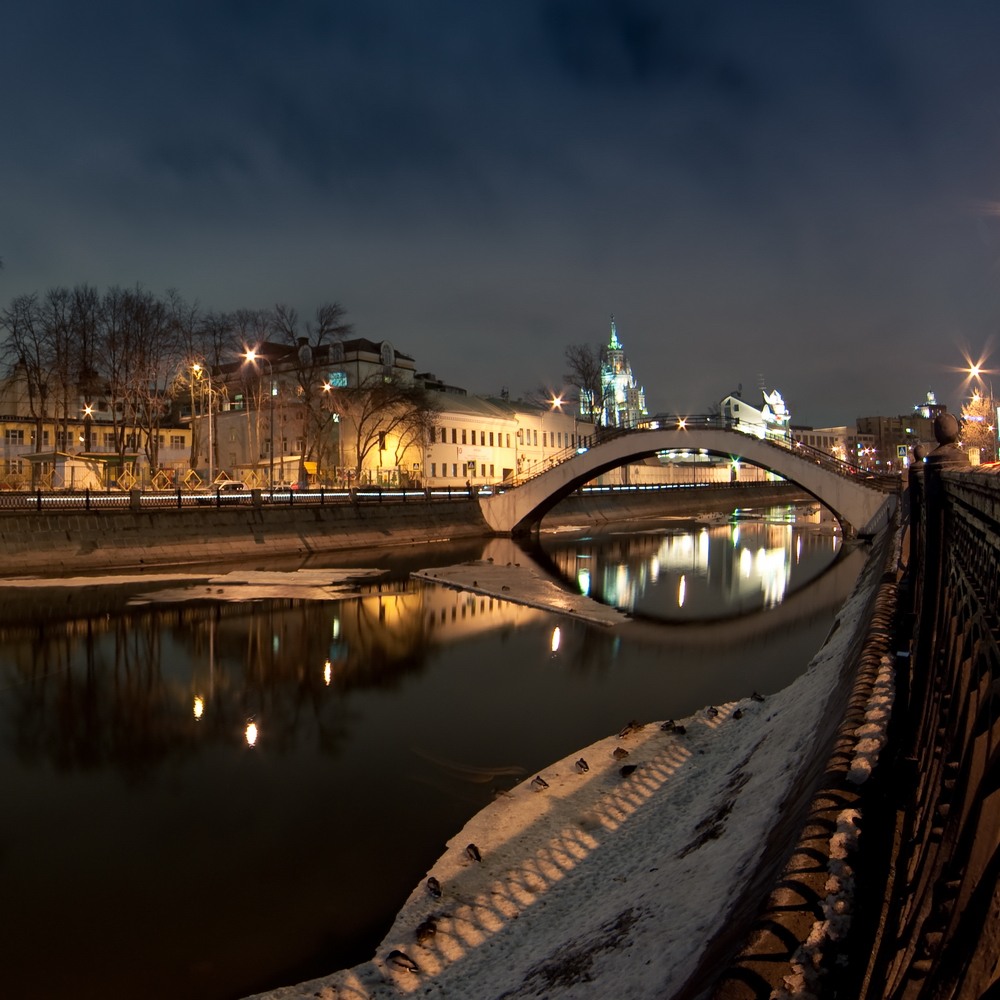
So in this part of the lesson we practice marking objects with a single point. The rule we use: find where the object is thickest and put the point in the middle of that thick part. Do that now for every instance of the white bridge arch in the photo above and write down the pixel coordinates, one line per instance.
(860, 507)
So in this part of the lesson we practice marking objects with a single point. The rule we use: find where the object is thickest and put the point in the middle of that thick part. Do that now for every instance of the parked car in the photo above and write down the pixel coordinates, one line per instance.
(229, 492)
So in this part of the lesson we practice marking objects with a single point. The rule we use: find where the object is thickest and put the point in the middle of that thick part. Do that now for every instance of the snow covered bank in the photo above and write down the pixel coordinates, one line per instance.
(522, 583)
(611, 878)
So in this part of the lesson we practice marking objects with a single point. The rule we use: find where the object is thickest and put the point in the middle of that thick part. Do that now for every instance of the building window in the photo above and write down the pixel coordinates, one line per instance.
(453, 435)
(491, 439)
(13, 437)
(544, 441)
(434, 470)
(463, 436)
(508, 440)
(484, 469)
(491, 470)
(454, 471)
(482, 438)
(444, 433)
(520, 435)
(536, 438)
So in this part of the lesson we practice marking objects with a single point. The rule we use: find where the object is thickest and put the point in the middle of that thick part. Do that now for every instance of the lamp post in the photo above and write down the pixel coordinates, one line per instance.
(335, 419)
(88, 413)
(204, 377)
(253, 357)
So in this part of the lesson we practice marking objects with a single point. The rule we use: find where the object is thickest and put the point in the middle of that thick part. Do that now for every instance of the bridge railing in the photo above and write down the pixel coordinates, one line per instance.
(936, 911)
(885, 483)
(19, 501)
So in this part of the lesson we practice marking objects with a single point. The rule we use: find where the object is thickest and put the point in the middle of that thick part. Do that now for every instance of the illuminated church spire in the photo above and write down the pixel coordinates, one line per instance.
(624, 402)
(614, 344)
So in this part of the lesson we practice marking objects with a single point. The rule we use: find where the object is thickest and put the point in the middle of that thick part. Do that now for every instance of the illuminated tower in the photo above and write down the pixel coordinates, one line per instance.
(624, 401)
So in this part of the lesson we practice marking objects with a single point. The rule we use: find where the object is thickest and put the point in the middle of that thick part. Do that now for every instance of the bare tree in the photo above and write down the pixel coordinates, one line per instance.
(379, 410)
(56, 311)
(311, 343)
(584, 361)
(139, 356)
(27, 361)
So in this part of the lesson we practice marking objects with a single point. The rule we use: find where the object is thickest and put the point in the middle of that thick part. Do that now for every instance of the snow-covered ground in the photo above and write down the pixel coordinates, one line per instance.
(237, 585)
(609, 878)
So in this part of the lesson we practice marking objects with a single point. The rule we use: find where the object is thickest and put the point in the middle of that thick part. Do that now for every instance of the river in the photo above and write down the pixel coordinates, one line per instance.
(210, 793)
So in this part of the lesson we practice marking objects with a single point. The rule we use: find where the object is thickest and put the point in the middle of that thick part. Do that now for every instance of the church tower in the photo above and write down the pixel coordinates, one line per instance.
(624, 403)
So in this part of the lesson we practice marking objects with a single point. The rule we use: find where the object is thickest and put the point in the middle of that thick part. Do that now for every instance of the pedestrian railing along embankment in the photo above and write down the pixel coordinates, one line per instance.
(936, 917)
(54, 501)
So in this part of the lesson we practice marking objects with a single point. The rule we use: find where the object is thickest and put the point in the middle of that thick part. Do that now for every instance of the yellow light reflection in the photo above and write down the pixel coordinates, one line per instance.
(327, 672)
(681, 590)
(556, 639)
(199, 707)
(583, 582)
(251, 733)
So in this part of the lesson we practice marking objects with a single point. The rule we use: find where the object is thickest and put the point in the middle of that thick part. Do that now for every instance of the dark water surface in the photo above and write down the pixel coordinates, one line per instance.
(150, 851)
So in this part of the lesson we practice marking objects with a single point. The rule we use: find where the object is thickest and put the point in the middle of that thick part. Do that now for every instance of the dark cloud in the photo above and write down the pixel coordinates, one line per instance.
(789, 190)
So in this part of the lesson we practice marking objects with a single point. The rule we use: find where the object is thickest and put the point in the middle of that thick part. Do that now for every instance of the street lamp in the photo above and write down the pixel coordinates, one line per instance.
(253, 357)
(335, 419)
(204, 377)
(88, 413)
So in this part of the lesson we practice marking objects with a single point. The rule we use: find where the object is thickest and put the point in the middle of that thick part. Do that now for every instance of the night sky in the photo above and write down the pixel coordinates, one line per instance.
(796, 193)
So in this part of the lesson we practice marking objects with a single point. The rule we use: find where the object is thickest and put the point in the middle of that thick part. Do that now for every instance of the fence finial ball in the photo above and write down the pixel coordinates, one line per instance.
(947, 429)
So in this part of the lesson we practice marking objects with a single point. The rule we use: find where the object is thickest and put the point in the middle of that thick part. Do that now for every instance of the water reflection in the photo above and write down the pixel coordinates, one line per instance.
(310, 759)
(714, 571)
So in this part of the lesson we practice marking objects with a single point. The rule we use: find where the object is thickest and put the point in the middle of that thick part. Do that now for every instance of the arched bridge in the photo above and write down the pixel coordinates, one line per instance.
(858, 503)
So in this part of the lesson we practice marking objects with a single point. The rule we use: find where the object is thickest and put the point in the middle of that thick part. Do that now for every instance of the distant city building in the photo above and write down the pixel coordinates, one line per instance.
(623, 401)
(894, 438)
(930, 407)
(843, 443)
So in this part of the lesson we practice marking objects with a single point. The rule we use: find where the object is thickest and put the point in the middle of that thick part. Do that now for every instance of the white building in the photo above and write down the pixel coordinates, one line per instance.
(771, 422)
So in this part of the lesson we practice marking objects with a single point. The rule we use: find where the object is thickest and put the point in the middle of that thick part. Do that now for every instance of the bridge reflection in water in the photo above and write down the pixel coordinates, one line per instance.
(733, 565)
(206, 866)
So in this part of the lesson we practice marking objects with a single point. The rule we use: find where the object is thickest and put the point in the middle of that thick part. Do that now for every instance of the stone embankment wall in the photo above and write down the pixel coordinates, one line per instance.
(71, 542)
(85, 542)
